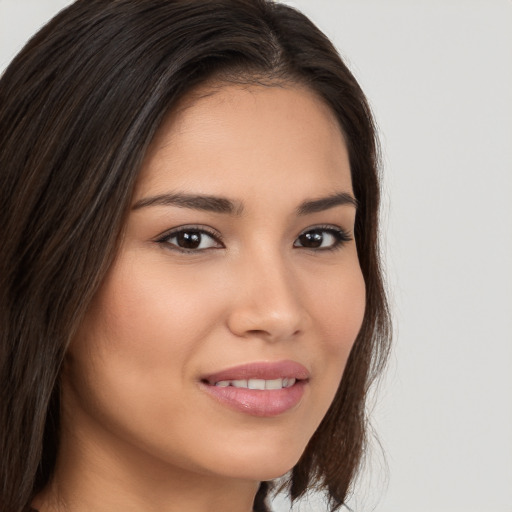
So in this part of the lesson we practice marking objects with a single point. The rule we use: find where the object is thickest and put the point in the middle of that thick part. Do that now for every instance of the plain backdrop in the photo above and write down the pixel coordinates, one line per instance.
(439, 77)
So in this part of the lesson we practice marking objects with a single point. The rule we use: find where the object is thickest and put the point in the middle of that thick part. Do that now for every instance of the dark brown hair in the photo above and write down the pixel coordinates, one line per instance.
(78, 108)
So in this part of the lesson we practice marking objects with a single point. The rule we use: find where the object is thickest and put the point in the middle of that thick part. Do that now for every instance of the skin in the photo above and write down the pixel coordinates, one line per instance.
(138, 432)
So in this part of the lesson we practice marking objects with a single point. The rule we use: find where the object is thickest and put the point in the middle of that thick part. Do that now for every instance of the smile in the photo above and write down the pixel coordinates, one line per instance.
(259, 389)
(257, 383)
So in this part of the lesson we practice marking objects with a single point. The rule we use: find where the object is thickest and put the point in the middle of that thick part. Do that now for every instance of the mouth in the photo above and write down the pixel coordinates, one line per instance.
(259, 389)
(260, 384)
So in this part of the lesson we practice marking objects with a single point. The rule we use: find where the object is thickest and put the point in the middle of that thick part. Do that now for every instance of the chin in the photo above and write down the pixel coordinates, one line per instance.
(260, 462)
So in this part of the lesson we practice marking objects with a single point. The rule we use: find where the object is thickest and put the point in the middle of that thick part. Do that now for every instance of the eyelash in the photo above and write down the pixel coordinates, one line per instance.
(340, 238)
(164, 239)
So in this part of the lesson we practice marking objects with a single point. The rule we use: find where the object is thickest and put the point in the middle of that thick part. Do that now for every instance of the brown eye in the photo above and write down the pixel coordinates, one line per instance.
(188, 239)
(322, 238)
(312, 239)
(191, 240)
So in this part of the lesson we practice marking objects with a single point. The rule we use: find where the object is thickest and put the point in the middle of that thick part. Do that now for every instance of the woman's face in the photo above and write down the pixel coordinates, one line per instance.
(238, 269)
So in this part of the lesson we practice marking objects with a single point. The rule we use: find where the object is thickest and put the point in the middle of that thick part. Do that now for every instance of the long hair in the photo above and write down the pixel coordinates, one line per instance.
(79, 106)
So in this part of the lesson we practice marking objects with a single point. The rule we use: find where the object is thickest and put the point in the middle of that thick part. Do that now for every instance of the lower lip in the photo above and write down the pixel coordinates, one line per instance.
(256, 402)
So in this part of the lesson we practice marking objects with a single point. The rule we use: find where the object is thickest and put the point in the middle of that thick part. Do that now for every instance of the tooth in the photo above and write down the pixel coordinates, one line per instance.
(256, 384)
(274, 384)
(289, 383)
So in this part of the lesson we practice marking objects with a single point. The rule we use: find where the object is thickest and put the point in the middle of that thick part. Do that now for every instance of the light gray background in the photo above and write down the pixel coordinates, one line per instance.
(439, 77)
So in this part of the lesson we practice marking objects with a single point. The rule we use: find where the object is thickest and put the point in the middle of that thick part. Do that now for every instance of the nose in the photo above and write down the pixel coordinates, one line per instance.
(267, 302)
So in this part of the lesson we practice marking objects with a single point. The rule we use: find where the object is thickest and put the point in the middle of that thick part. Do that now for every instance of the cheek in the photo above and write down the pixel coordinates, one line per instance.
(136, 342)
(339, 306)
(130, 365)
(149, 317)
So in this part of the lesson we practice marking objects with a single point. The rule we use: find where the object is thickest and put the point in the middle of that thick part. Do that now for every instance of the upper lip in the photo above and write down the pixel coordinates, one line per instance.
(260, 370)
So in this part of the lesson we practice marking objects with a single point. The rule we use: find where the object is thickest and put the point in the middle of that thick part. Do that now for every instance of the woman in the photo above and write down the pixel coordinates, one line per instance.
(191, 298)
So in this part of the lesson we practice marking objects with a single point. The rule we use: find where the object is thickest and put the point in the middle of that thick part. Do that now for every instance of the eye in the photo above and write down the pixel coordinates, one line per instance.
(191, 239)
(323, 238)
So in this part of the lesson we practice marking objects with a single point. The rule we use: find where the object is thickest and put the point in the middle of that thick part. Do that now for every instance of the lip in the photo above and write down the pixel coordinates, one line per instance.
(260, 370)
(262, 403)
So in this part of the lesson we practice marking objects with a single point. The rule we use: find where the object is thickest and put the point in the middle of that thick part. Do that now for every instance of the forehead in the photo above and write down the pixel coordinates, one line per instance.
(236, 136)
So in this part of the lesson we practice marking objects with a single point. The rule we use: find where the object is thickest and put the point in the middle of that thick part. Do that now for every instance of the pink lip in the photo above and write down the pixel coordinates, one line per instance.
(261, 370)
(265, 403)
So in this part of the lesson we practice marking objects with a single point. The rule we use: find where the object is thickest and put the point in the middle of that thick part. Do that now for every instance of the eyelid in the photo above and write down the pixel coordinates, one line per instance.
(326, 227)
(343, 235)
(164, 237)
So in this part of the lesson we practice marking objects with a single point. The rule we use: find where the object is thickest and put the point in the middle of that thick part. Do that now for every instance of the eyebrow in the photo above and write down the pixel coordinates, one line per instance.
(325, 203)
(193, 201)
(227, 206)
